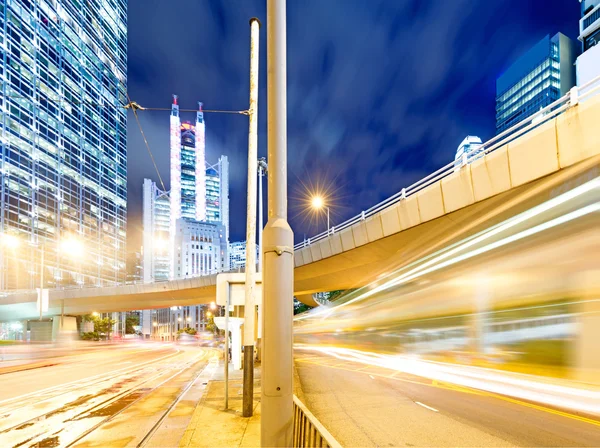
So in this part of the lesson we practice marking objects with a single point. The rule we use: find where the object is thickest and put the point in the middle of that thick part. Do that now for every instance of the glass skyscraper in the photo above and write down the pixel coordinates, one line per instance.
(217, 193)
(156, 220)
(63, 163)
(588, 64)
(538, 78)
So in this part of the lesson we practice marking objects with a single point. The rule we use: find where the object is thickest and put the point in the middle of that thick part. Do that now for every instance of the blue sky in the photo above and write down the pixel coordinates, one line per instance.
(380, 92)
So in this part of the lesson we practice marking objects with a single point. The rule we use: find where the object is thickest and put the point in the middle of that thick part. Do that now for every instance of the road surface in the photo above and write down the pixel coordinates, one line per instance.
(365, 406)
(119, 396)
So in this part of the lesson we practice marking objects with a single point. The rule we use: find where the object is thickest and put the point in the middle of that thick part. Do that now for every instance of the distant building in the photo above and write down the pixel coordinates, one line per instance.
(186, 230)
(156, 219)
(469, 150)
(199, 191)
(538, 78)
(237, 255)
(588, 64)
(200, 248)
(134, 267)
(217, 193)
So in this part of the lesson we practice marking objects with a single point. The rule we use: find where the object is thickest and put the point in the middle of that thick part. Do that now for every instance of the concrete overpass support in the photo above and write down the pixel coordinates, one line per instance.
(64, 328)
(39, 330)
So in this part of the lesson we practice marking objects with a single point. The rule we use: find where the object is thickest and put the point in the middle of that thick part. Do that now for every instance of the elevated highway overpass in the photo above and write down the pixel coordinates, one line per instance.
(553, 152)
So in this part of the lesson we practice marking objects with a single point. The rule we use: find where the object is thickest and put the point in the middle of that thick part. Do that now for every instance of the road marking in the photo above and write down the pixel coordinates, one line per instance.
(372, 377)
(468, 390)
(425, 406)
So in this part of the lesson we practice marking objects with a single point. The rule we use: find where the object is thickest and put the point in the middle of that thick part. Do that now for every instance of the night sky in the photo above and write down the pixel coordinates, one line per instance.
(380, 92)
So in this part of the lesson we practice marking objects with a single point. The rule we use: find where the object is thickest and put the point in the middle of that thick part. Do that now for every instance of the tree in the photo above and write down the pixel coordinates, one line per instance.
(132, 320)
(210, 324)
(300, 307)
(101, 324)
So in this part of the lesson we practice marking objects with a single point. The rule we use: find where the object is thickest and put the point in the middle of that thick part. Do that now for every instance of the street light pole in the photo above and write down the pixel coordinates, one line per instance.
(262, 170)
(278, 275)
(249, 304)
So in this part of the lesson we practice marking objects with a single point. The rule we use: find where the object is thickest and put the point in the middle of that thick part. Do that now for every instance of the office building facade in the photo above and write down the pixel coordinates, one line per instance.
(200, 248)
(63, 161)
(588, 64)
(156, 222)
(237, 255)
(538, 78)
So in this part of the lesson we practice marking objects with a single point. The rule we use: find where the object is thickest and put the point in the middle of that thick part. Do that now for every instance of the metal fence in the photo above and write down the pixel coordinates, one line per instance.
(308, 431)
(575, 95)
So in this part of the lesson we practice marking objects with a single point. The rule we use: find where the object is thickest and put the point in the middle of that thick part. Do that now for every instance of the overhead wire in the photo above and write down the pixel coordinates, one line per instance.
(134, 109)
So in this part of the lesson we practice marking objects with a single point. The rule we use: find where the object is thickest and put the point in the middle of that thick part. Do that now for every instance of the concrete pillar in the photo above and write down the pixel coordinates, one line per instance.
(478, 320)
(65, 331)
(40, 330)
(146, 323)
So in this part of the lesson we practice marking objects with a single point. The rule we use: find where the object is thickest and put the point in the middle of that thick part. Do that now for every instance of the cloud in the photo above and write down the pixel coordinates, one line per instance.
(380, 92)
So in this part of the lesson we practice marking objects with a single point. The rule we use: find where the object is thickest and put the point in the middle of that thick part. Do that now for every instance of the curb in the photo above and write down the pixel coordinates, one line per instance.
(22, 367)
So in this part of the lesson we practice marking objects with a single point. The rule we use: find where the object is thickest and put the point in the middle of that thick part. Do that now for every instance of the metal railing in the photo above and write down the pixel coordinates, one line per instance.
(543, 115)
(308, 431)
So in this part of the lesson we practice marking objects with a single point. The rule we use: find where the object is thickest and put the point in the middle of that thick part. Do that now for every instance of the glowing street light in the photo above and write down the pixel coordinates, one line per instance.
(208, 314)
(95, 314)
(318, 203)
(213, 305)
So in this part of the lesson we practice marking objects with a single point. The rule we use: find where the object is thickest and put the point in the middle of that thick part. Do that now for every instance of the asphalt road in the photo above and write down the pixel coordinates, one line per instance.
(368, 406)
(118, 396)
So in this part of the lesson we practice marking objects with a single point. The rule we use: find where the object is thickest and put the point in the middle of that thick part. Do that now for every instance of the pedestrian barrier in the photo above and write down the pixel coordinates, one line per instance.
(308, 431)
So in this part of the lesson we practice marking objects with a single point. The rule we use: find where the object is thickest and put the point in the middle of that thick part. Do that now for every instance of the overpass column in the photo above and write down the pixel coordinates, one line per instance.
(478, 320)
(278, 251)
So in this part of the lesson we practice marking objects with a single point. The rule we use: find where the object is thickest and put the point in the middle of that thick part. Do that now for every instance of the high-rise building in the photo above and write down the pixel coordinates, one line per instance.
(538, 78)
(63, 163)
(200, 248)
(237, 255)
(468, 151)
(588, 64)
(134, 267)
(198, 191)
(156, 220)
(217, 193)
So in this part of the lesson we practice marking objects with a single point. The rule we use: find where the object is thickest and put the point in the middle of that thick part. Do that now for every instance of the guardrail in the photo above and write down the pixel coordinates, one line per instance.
(308, 431)
(571, 99)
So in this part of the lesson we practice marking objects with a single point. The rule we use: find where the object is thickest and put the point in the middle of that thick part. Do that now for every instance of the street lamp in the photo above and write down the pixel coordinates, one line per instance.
(318, 203)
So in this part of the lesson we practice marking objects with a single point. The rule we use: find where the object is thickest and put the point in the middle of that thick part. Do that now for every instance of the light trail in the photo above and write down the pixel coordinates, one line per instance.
(431, 266)
(519, 386)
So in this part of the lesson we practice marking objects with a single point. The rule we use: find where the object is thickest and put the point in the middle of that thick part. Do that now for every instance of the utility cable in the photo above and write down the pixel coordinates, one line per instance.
(134, 108)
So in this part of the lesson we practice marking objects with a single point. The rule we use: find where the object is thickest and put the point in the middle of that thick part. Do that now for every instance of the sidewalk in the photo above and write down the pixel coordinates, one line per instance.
(212, 426)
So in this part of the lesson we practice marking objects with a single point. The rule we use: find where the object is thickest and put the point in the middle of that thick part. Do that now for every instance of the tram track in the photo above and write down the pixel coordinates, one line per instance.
(68, 423)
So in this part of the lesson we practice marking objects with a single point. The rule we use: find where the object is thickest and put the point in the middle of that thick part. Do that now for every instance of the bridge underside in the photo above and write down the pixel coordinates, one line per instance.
(347, 270)
(365, 264)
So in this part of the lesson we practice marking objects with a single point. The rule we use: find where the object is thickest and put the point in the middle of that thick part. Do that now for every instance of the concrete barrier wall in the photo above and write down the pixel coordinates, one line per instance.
(563, 141)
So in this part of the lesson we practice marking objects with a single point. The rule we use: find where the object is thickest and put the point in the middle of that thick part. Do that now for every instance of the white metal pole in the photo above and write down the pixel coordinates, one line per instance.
(42, 282)
(327, 220)
(249, 307)
(261, 174)
(278, 283)
(226, 346)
